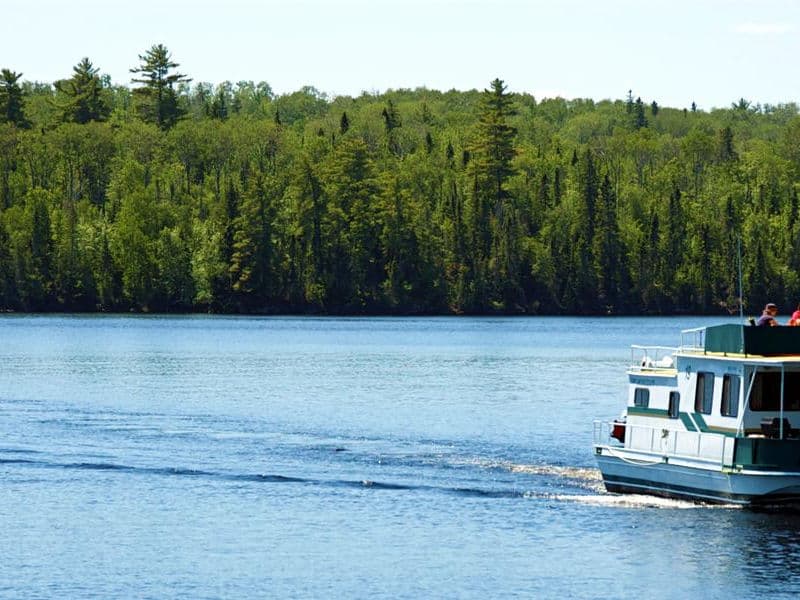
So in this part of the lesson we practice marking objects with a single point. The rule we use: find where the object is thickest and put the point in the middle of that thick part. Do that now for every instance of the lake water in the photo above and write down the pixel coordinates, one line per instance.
(207, 457)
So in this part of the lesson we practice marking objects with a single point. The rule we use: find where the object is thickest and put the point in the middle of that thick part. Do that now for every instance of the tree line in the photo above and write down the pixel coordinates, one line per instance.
(178, 196)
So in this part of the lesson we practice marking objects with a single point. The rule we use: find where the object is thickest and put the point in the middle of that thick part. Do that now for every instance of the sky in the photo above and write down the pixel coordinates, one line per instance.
(711, 52)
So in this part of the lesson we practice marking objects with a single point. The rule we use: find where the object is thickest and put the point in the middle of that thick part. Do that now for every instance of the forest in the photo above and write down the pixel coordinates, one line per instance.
(166, 195)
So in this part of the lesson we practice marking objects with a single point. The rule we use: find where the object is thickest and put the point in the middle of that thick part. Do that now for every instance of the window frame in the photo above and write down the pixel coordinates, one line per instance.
(674, 407)
(704, 402)
(638, 394)
(730, 400)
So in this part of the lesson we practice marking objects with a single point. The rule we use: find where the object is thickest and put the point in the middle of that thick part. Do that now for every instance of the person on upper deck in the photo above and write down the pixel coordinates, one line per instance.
(795, 320)
(767, 318)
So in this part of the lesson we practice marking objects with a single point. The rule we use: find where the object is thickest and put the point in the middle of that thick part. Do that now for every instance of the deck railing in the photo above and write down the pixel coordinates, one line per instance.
(693, 339)
(652, 357)
(714, 448)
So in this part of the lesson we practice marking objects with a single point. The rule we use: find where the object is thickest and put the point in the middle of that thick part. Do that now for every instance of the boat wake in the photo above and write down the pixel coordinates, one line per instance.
(635, 501)
(555, 476)
(591, 480)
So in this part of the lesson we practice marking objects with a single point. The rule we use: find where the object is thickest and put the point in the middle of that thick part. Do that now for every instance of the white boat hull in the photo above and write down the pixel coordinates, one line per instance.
(630, 474)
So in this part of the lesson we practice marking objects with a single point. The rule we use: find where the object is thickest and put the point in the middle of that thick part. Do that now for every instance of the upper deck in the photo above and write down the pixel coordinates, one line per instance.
(743, 341)
(767, 346)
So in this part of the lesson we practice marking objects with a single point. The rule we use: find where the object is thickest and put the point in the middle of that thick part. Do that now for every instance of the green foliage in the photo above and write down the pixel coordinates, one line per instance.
(83, 97)
(412, 201)
(157, 98)
(11, 103)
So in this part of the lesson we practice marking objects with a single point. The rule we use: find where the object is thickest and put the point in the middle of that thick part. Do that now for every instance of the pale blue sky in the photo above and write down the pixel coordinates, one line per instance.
(674, 52)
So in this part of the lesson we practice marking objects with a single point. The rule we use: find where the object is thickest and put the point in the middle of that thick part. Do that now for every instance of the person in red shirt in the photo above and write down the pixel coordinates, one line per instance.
(795, 320)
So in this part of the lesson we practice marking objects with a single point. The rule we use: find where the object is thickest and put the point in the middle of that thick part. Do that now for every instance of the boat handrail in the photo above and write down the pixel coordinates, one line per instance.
(693, 339)
(663, 442)
(652, 357)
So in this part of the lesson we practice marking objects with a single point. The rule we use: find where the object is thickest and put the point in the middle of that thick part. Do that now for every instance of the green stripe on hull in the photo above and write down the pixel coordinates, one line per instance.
(701, 422)
(641, 411)
(687, 421)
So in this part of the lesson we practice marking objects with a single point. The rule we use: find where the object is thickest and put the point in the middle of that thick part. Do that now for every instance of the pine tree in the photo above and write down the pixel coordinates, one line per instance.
(157, 97)
(674, 239)
(8, 291)
(495, 140)
(584, 282)
(640, 120)
(391, 117)
(428, 142)
(85, 98)
(493, 217)
(344, 123)
(609, 253)
(725, 149)
(11, 102)
(392, 122)
(219, 108)
(253, 248)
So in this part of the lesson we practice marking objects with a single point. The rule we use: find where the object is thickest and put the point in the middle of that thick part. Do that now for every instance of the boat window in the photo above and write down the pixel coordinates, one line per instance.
(674, 404)
(730, 396)
(704, 393)
(766, 394)
(641, 397)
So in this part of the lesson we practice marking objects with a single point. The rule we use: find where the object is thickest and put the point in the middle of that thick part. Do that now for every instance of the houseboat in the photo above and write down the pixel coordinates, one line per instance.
(715, 420)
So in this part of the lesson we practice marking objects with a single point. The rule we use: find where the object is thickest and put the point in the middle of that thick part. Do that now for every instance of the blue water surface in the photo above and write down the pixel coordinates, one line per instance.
(209, 457)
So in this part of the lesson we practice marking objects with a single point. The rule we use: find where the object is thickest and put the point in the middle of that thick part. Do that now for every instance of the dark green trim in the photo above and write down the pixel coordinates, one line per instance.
(724, 431)
(764, 341)
(641, 411)
(701, 422)
(687, 421)
(764, 454)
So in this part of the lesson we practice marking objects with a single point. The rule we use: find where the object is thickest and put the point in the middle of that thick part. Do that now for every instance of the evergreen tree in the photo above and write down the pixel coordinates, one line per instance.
(11, 99)
(84, 97)
(354, 270)
(493, 215)
(253, 248)
(584, 284)
(157, 97)
(640, 120)
(39, 282)
(391, 121)
(674, 239)
(494, 145)
(725, 149)
(391, 117)
(654, 108)
(344, 123)
(8, 292)
(650, 267)
(612, 276)
(219, 107)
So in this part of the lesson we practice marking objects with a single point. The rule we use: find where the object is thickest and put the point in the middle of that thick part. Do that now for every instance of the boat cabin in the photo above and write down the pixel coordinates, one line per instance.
(729, 392)
(714, 420)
